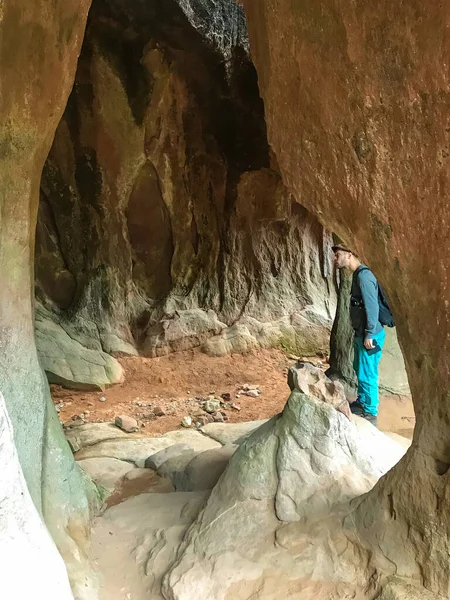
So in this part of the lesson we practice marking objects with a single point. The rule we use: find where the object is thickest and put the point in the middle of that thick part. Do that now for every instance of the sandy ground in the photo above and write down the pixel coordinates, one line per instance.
(176, 385)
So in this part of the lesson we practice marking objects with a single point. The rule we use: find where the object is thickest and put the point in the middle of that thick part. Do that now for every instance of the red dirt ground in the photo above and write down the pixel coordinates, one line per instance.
(173, 382)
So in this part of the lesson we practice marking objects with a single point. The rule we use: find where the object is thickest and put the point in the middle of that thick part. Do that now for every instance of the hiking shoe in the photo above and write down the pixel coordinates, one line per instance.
(357, 408)
(371, 418)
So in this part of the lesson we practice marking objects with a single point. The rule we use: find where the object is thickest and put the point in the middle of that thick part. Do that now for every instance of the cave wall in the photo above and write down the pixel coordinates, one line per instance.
(163, 219)
(37, 75)
(369, 154)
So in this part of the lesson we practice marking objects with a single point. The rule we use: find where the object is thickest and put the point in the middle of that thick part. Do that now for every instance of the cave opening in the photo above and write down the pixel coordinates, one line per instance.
(164, 224)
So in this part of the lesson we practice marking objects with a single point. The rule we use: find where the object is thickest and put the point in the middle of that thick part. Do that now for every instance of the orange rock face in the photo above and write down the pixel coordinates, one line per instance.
(358, 114)
(39, 50)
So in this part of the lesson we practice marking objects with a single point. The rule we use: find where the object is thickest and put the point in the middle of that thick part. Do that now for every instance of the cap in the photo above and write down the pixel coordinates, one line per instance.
(341, 247)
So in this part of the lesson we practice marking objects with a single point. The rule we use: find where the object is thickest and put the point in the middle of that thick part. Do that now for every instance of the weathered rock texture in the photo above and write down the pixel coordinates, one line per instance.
(163, 219)
(24, 540)
(276, 514)
(371, 157)
(40, 42)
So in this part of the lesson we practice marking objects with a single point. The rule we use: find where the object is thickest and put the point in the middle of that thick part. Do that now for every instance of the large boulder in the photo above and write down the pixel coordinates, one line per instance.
(292, 481)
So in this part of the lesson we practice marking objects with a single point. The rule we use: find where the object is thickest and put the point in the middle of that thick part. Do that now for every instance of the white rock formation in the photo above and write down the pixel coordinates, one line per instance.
(30, 564)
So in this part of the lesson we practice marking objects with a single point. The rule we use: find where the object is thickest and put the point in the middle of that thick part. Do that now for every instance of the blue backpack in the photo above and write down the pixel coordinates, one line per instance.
(385, 315)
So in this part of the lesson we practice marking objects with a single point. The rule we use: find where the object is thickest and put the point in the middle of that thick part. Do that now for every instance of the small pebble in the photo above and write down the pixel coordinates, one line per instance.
(186, 422)
(126, 423)
(102, 399)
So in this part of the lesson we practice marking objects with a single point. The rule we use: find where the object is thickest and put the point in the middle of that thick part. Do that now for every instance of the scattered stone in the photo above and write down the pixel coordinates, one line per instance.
(218, 417)
(202, 420)
(235, 407)
(102, 399)
(247, 387)
(252, 393)
(312, 382)
(226, 396)
(159, 412)
(186, 422)
(126, 423)
(212, 406)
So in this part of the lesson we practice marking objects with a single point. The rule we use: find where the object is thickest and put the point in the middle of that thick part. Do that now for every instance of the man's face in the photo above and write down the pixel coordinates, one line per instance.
(342, 259)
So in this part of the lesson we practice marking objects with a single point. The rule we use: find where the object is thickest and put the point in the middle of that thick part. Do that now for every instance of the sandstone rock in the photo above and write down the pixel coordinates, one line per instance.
(146, 530)
(205, 469)
(305, 332)
(396, 589)
(158, 411)
(137, 449)
(252, 393)
(155, 461)
(382, 228)
(218, 417)
(106, 472)
(185, 329)
(67, 362)
(136, 473)
(91, 434)
(24, 537)
(212, 406)
(202, 420)
(171, 279)
(175, 468)
(234, 433)
(298, 469)
(126, 423)
(312, 382)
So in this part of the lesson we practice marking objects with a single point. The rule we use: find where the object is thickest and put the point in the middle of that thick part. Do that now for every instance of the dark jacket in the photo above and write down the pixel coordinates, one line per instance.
(364, 308)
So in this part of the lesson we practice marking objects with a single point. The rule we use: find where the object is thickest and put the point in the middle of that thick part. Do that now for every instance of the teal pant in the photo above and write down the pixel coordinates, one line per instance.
(366, 369)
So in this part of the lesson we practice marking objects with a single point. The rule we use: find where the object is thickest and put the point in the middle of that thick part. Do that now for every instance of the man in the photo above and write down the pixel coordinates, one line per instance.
(369, 333)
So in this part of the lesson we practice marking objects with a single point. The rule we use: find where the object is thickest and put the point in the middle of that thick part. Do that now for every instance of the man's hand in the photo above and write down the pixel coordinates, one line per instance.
(368, 344)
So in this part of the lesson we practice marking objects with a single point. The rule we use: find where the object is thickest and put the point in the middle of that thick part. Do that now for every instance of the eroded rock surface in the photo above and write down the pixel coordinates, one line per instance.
(24, 538)
(136, 449)
(163, 222)
(371, 158)
(292, 481)
(40, 44)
